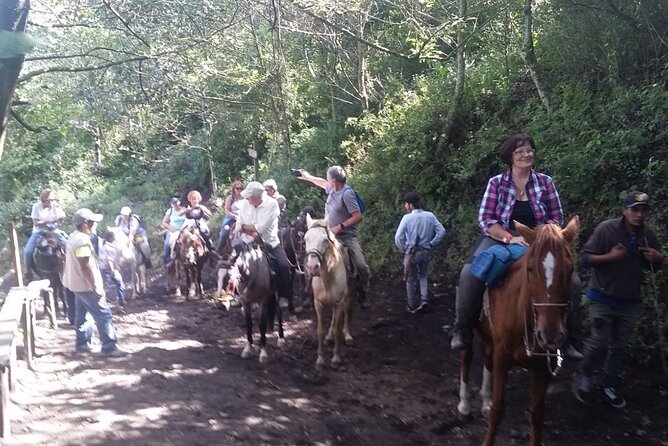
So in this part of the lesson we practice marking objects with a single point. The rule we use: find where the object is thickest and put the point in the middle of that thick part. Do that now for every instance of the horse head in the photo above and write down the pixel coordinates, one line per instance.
(547, 279)
(49, 255)
(193, 248)
(320, 243)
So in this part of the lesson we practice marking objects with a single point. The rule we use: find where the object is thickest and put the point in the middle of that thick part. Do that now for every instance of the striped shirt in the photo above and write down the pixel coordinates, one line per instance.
(500, 196)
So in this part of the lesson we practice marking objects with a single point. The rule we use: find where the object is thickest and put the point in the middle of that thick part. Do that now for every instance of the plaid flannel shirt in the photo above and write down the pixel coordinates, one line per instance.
(500, 196)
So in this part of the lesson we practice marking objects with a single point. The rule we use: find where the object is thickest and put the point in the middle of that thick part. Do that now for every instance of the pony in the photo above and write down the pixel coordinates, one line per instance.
(193, 254)
(224, 266)
(525, 326)
(250, 278)
(173, 271)
(332, 284)
(49, 261)
(131, 262)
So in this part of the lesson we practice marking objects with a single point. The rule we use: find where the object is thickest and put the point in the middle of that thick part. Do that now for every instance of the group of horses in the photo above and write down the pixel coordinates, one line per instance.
(522, 325)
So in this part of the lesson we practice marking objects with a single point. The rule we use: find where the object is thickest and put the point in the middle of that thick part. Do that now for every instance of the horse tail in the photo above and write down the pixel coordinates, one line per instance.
(271, 311)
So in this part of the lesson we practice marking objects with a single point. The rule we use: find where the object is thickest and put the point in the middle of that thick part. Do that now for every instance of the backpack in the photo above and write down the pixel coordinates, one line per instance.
(491, 265)
(360, 200)
(140, 220)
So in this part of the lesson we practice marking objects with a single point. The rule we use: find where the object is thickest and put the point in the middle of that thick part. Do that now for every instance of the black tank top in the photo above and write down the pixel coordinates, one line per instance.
(522, 212)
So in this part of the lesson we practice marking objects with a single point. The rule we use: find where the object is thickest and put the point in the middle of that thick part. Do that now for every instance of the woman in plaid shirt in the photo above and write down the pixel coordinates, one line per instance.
(520, 194)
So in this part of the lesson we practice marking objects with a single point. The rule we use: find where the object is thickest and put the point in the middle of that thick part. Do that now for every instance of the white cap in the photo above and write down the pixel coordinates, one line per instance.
(84, 214)
(271, 183)
(125, 210)
(253, 189)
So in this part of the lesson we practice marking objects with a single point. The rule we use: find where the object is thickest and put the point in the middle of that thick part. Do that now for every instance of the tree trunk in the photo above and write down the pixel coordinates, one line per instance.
(97, 153)
(13, 18)
(362, 71)
(530, 57)
(459, 82)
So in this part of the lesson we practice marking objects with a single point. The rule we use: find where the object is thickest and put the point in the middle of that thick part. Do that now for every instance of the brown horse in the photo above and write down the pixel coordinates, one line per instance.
(332, 285)
(525, 326)
(174, 269)
(250, 278)
(193, 253)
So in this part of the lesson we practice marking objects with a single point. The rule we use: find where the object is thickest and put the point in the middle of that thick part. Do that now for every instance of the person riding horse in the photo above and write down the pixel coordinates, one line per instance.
(172, 223)
(46, 216)
(197, 215)
(131, 226)
(258, 218)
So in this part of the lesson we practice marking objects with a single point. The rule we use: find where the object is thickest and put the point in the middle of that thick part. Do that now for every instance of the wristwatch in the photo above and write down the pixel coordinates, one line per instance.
(342, 226)
(506, 237)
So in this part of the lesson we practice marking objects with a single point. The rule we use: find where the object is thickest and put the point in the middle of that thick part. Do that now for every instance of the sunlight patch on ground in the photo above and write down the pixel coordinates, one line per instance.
(298, 403)
(176, 345)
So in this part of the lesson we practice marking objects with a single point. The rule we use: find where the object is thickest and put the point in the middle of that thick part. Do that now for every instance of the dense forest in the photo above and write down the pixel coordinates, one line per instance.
(133, 101)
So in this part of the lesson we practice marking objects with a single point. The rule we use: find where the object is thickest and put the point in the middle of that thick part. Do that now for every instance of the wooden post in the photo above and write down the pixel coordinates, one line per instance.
(16, 254)
(5, 431)
(50, 306)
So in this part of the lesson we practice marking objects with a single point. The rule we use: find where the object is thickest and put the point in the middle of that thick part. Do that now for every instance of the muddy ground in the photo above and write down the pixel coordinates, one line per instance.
(186, 384)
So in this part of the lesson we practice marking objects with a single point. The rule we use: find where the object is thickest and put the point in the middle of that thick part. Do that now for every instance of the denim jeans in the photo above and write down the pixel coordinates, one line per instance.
(115, 278)
(32, 242)
(611, 329)
(89, 302)
(418, 273)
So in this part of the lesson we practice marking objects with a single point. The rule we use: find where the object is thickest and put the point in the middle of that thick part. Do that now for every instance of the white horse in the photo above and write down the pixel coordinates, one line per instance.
(131, 262)
(332, 285)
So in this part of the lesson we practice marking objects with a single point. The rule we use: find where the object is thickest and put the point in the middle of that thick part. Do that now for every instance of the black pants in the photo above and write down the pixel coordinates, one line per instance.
(282, 271)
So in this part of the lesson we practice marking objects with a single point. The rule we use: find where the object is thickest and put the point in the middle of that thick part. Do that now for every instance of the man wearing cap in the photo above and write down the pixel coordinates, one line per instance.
(343, 213)
(271, 188)
(82, 276)
(418, 232)
(618, 252)
(258, 217)
(46, 215)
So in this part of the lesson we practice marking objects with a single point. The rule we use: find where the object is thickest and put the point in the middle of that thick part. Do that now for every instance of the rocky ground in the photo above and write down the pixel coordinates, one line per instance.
(184, 383)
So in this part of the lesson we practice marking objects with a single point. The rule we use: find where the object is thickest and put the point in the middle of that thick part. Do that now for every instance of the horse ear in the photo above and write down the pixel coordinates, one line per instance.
(525, 231)
(571, 230)
(309, 221)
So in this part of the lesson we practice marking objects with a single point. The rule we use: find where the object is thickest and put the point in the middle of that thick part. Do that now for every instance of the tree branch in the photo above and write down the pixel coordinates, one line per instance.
(125, 23)
(79, 69)
(24, 124)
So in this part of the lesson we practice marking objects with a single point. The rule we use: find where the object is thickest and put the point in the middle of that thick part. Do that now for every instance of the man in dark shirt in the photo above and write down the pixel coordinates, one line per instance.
(618, 251)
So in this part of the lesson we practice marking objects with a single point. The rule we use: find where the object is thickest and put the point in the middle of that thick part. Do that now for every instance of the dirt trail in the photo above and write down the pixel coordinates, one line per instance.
(185, 384)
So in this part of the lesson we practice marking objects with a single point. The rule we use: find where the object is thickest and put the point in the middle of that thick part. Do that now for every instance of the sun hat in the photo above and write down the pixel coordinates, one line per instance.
(84, 214)
(253, 189)
(125, 210)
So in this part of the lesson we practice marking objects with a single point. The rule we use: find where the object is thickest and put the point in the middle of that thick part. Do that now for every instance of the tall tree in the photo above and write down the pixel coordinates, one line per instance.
(13, 18)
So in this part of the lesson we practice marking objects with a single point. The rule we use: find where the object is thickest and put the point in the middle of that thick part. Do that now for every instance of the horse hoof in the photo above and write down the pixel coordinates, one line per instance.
(293, 318)
(464, 408)
(349, 340)
(485, 409)
(328, 339)
(264, 357)
(336, 361)
(247, 353)
(319, 363)
(280, 342)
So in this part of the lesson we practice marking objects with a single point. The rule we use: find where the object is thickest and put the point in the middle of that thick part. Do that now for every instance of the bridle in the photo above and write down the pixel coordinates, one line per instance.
(531, 348)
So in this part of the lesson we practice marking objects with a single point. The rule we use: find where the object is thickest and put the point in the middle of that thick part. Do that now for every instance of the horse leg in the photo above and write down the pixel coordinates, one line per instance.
(337, 322)
(500, 373)
(465, 358)
(540, 378)
(142, 278)
(330, 332)
(279, 316)
(264, 316)
(321, 334)
(347, 320)
(248, 349)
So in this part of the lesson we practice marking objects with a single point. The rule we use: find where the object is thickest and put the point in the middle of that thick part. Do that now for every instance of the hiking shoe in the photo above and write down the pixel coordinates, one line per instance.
(115, 353)
(458, 342)
(581, 388)
(611, 397)
(83, 350)
(423, 306)
(409, 309)
(573, 353)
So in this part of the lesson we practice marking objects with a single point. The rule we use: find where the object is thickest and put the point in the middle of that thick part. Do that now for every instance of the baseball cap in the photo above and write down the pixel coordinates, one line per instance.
(174, 200)
(635, 198)
(84, 214)
(253, 189)
(125, 210)
(271, 183)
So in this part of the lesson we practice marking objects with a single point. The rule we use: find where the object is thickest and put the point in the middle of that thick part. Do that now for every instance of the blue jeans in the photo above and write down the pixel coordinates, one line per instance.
(418, 273)
(115, 278)
(32, 242)
(89, 302)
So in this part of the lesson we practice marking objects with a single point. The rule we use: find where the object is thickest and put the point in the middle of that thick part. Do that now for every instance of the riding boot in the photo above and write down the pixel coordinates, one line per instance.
(363, 297)
(468, 303)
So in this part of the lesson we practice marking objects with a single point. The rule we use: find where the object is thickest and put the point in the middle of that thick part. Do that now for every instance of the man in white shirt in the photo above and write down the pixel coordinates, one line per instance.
(258, 217)
(46, 215)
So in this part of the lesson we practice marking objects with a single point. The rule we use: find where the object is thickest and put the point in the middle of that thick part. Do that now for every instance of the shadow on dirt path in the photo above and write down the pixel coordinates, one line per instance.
(185, 384)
